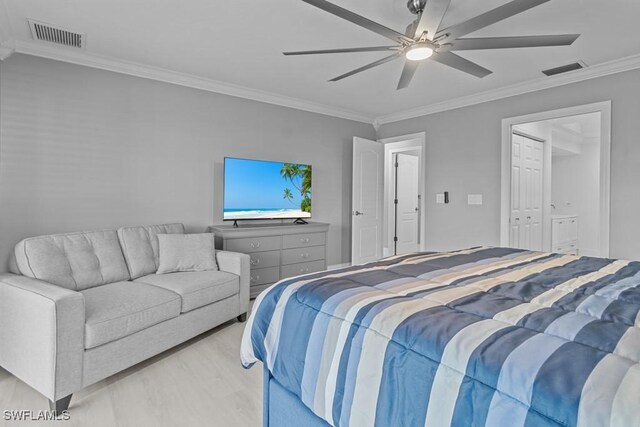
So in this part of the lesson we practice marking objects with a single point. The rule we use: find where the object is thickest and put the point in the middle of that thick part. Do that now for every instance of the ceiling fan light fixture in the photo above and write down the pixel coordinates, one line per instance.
(418, 52)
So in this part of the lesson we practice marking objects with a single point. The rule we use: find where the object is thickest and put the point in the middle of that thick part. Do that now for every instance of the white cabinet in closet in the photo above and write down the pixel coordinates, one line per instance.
(564, 234)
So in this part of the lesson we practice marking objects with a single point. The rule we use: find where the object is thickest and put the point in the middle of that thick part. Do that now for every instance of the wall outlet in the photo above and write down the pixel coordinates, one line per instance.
(474, 199)
(440, 198)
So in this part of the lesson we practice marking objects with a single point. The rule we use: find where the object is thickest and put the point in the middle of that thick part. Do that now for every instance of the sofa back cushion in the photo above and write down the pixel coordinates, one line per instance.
(140, 246)
(74, 260)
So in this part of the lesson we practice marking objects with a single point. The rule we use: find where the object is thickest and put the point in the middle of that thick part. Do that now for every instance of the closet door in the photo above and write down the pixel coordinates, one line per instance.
(526, 193)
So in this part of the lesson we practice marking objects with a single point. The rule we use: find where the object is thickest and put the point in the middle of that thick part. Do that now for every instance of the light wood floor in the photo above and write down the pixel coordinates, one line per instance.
(199, 383)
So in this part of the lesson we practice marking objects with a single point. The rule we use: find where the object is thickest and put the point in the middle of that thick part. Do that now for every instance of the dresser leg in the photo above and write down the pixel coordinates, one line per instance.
(242, 317)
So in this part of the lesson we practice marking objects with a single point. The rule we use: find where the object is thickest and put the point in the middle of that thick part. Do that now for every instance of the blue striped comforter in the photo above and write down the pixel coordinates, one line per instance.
(480, 337)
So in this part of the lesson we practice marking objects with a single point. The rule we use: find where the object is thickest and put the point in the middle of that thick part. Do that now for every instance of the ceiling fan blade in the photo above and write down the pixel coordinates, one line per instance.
(359, 20)
(408, 71)
(459, 63)
(431, 17)
(346, 50)
(368, 66)
(514, 42)
(498, 14)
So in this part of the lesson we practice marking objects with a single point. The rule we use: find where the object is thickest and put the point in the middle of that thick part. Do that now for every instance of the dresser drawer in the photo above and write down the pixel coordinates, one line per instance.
(569, 248)
(303, 240)
(256, 290)
(264, 259)
(260, 276)
(254, 244)
(294, 256)
(302, 268)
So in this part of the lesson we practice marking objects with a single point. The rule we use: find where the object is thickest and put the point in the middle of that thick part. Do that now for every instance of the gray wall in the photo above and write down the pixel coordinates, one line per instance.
(83, 149)
(463, 156)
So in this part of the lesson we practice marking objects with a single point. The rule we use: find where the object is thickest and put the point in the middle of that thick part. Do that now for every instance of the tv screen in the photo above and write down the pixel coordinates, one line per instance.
(257, 189)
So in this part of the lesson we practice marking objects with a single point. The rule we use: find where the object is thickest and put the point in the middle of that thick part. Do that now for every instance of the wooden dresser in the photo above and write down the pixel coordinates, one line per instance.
(277, 251)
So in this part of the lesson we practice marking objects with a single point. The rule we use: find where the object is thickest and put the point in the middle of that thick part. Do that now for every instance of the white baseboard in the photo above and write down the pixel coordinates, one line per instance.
(337, 266)
(588, 252)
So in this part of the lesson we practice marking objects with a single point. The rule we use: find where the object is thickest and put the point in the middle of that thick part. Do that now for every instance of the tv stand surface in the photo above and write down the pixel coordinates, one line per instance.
(277, 250)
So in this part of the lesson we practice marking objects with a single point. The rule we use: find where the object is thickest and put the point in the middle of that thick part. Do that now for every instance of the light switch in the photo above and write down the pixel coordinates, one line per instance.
(440, 198)
(474, 199)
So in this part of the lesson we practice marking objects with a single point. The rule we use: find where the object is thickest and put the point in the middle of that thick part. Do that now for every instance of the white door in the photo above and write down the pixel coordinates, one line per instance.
(526, 193)
(366, 219)
(407, 204)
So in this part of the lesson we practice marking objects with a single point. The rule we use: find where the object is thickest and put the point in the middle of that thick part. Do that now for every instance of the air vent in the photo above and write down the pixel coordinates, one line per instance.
(565, 68)
(53, 34)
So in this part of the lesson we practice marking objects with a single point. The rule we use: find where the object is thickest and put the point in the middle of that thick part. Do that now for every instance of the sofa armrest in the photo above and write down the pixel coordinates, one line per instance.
(42, 334)
(237, 263)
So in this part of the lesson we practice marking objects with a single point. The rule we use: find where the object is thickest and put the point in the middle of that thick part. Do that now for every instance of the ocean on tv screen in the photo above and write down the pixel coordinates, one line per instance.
(254, 213)
(255, 189)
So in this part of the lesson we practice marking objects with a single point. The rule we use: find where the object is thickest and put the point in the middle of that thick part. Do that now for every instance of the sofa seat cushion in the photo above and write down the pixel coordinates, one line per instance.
(196, 288)
(119, 309)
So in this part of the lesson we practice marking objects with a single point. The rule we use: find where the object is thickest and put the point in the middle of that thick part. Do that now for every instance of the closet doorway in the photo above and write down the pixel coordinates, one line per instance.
(555, 181)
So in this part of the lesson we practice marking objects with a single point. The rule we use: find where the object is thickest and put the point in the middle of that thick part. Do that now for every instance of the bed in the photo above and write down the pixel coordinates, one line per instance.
(478, 337)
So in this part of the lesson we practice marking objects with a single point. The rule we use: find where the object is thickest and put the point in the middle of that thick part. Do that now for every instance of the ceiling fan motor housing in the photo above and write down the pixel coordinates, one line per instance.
(416, 6)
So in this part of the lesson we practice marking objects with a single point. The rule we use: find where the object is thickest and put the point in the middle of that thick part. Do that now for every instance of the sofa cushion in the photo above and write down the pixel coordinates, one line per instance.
(140, 246)
(75, 261)
(119, 309)
(197, 288)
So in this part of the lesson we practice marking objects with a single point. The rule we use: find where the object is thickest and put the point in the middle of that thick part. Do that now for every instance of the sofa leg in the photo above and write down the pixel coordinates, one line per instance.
(242, 317)
(60, 405)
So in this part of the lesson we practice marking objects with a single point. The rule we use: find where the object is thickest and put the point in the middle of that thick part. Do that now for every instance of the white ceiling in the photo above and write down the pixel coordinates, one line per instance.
(240, 43)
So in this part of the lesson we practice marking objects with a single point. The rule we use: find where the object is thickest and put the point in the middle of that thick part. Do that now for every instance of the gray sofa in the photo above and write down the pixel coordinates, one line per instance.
(80, 307)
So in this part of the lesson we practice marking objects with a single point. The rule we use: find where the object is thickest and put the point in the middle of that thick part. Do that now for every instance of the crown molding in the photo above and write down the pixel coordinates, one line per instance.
(607, 68)
(6, 50)
(102, 62)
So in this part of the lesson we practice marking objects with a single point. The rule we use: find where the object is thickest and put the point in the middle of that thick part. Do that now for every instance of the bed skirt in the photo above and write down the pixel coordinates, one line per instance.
(283, 408)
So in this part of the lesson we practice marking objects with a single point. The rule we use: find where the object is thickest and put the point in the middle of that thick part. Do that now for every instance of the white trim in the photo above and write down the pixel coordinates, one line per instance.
(6, 50)
(394, 145)
(102, 62)
(605, 165)
(338, 266)
(600, 70)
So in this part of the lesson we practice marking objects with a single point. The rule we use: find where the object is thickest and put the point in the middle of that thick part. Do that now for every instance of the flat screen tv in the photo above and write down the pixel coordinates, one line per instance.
(258, 189)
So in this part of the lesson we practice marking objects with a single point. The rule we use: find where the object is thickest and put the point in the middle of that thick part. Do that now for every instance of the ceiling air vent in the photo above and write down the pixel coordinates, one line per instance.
(53, 34)
(565, 68)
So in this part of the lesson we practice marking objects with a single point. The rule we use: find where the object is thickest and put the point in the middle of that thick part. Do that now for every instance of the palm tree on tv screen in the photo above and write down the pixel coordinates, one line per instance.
(300, 178)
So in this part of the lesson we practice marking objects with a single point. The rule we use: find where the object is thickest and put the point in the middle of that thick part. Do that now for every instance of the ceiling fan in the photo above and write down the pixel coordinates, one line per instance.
(423, 38)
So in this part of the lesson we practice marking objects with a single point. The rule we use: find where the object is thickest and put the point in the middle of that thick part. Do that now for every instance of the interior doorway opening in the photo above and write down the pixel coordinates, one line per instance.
(555, 187)
(403, 200)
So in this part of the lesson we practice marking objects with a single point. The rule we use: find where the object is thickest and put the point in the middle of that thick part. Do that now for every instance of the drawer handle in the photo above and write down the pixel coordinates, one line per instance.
(305, 240)
(254, 245)
(305, 255)
(255, 261)
(304, 270)
(255, 278)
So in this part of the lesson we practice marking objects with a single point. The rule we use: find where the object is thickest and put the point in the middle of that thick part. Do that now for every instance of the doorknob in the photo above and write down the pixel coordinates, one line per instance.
(356, 213)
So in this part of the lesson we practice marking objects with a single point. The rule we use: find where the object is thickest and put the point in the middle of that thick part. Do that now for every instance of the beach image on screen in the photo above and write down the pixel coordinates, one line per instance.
(255, 189)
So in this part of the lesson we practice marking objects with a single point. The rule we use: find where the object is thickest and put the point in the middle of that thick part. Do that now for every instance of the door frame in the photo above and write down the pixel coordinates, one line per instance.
(604, 108)
(392, 146)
